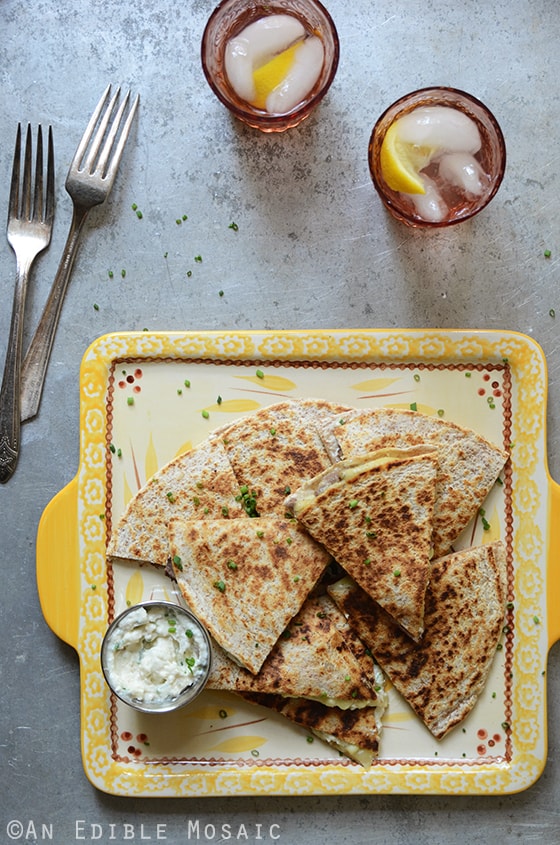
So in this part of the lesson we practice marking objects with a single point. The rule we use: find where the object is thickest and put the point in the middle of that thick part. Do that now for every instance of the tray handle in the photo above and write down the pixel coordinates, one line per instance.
(553, 564)
(58, 575)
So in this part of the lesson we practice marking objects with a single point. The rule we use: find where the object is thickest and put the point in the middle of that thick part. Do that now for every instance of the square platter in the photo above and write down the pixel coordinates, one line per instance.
(146, 397)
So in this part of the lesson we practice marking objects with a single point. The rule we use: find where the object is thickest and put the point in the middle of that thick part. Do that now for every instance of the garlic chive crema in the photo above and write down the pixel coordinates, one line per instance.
(156, 656)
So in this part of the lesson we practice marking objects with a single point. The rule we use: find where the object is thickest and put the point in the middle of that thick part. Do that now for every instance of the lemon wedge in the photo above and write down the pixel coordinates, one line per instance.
(270, 75)
(402, 162)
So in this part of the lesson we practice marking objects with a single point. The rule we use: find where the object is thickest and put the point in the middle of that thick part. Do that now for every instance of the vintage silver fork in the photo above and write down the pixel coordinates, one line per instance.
(30, 223)
(89, 182)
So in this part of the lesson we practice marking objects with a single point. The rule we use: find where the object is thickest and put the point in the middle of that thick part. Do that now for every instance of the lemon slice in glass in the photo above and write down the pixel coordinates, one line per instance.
(402, 162)
(270, 75)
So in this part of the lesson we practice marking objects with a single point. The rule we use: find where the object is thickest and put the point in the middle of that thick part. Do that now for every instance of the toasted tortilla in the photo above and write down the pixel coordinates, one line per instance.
(355, 733)
(198, 484)
(245, 579)
(318, 657)
(468, 463)
(442, 676)
(274, 449)
(374, 514)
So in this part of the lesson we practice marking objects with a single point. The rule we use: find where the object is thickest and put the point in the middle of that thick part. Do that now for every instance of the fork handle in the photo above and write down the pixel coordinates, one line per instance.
(10, 414)
(36, 360)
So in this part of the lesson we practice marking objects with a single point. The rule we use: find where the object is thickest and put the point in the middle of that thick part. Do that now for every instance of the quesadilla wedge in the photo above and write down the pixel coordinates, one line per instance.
(317, 657)
(245, 579)
(198, 484)
(354, 733)
(442, 676)
(468, 463)
(374, 515)
(274, 449)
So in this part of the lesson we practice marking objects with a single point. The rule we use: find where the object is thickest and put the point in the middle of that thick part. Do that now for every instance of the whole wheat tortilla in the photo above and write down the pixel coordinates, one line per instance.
(198, 484)
(468, 463)
(245, 579)
(442, 676)
(318, 656)
(354, 733)
(274, 449)
(374, 514)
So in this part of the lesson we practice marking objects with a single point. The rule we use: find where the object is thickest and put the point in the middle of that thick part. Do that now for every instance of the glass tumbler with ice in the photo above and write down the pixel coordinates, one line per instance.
(437, 157)
(270, 64)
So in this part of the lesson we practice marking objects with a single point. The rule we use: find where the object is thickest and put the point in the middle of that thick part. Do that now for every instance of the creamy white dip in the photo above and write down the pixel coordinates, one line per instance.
(155, 653)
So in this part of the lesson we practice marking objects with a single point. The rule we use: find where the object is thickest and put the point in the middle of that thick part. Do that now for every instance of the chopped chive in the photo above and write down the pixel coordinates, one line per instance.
(259, 374)
(219, 585)
(130, 400)
(205, 414)
(233, 226)
(547, 253)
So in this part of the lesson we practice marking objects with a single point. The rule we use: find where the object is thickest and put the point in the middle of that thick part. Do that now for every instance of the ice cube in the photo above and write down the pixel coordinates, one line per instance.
(255, 45)
(431, 205)
(440, 127)
(463, 171)
(301, 78)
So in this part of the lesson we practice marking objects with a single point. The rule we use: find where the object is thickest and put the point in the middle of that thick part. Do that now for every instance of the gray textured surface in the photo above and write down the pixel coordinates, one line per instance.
(314, 249)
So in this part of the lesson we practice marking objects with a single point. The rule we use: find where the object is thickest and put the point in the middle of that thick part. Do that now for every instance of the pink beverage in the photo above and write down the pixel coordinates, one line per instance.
(270, 64)
(437, 157)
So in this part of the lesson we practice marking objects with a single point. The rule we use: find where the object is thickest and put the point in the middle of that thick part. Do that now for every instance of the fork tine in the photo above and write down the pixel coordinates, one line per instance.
(27, 177)
(90, 164)
(13, 207)
(108, 145)
(86, 137)
(117, 154)
(49, 205)
(37, 212)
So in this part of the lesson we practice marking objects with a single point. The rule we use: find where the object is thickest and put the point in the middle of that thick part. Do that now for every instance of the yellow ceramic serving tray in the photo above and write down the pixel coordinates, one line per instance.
(145, 397)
